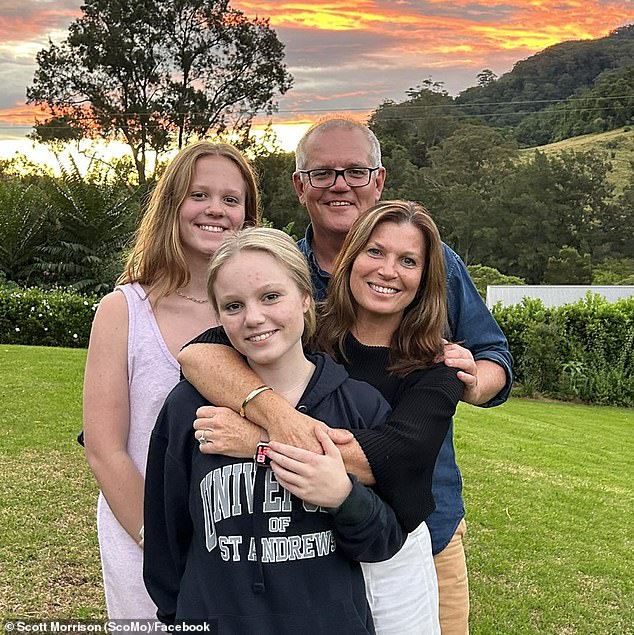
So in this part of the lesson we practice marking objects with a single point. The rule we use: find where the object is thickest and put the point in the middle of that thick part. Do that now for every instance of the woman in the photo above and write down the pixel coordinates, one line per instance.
(384, 320)
(206, 192)
(224, 543)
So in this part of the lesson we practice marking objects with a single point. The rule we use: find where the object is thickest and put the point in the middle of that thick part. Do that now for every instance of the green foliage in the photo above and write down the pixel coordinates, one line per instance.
(483, 276)
(553, 74)
(613, 271)
(547, 202)
(279, 201)
(568, 267)
(616, 147)
(92, 224)
(614, 229)
(67, 231)
(157, 73)
(22, 229)
(463, 180)
(405, 179)
(417, 124)
(45, 318)
(583, 350)
(605, 106)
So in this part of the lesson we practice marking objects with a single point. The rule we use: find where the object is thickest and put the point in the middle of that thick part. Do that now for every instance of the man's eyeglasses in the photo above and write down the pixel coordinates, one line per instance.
(325, 178)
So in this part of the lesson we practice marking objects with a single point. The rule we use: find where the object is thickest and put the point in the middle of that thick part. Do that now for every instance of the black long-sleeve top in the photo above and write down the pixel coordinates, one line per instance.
(402, 453)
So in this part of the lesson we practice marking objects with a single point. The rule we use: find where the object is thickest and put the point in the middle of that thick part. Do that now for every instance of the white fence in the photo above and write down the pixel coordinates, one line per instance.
(553, 295)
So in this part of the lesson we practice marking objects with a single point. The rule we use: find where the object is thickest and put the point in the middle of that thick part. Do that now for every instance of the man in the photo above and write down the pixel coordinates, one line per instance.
(325, 160)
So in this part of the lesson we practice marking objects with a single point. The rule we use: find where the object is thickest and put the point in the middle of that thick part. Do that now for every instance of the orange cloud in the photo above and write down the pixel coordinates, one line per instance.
(34, 22)
(328, 16)
(499, 25)
(22, 114)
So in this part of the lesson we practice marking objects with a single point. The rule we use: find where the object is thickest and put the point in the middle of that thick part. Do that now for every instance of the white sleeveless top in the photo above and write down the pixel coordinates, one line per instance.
(152, 373)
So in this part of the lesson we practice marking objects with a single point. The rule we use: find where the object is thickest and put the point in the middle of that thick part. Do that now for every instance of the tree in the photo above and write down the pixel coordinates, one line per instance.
(157, 72)
(419, 123)
(614, 271)
(546, 202)
(465, 171)
(279, 201)
(486, 77)
(568, 267)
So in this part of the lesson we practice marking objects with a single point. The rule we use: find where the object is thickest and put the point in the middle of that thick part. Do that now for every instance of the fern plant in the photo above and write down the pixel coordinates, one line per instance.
(22, 232)
(93, 222)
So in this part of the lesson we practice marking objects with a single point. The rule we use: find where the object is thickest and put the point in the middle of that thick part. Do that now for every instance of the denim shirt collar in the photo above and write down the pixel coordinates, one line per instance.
(319, 277)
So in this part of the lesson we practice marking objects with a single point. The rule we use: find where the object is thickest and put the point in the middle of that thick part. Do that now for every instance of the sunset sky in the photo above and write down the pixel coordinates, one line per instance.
(345, 56)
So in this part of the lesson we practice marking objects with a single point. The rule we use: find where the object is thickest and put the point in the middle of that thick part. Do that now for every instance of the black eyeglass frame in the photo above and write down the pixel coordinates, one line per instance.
(337, 174)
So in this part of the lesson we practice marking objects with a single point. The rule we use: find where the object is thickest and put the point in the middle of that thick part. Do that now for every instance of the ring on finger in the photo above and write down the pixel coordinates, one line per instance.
(201, 438)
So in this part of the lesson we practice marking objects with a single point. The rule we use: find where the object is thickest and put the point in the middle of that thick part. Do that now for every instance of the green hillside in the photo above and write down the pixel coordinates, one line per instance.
(616, 145)
(556, 73)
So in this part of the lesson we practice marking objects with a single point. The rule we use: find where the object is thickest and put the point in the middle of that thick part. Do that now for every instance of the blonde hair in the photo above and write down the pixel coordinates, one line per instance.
(157, 258)
(341, 123)
(418, 340)
(276, 244)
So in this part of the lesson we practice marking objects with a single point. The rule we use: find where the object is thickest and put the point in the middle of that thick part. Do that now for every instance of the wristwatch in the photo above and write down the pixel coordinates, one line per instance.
(261, 456)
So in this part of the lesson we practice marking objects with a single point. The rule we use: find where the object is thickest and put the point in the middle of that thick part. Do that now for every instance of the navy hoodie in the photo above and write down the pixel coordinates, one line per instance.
(226, 544)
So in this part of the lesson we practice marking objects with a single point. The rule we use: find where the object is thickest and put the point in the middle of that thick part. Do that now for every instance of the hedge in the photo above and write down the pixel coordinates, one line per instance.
(45, 318)
(578, 351)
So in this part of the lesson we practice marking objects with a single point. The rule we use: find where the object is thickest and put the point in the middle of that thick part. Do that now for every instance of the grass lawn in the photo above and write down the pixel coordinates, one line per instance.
(548, 487)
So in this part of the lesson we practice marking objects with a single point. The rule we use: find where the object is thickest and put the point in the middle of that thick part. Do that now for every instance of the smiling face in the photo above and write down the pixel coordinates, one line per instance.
(213, 206)
(386, 274)
(334, 209)
(261, 308)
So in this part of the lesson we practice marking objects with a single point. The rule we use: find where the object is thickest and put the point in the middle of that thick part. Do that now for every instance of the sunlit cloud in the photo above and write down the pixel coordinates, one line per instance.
(29, 20)
(22, 114)
(347, 57)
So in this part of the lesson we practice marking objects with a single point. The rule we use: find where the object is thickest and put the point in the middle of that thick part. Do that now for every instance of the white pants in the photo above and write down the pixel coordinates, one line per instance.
(403, 591)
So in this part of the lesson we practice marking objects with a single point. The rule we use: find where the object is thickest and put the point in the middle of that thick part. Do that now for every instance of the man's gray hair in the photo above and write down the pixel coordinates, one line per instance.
(344, 124)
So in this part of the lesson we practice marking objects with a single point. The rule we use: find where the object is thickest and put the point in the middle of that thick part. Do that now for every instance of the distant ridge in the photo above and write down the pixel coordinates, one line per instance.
(546, 78)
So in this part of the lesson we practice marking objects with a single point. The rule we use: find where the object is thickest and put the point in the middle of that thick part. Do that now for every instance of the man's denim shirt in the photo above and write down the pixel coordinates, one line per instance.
(471, 325)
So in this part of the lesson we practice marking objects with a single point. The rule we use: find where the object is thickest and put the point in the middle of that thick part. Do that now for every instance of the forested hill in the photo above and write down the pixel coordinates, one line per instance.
(556, 73)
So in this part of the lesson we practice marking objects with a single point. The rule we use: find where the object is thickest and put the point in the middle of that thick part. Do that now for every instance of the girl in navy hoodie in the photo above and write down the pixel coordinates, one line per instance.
(225, 543)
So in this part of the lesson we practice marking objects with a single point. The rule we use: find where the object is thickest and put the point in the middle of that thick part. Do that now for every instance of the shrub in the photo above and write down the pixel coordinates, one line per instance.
(45, 318)
(577, 351)
(483, 276)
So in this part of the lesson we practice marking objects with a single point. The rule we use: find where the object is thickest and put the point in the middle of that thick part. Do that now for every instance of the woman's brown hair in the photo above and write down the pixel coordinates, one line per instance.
(156, 258)
(418, 340)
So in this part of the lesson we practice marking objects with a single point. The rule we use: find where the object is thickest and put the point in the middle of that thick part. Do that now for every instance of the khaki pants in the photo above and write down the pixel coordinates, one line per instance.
(453, 585)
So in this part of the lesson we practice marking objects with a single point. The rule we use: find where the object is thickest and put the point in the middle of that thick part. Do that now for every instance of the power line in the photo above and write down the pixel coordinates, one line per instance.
(389, 104)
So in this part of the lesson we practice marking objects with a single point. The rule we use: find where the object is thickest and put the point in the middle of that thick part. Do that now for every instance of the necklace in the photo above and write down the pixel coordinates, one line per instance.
(191, 298)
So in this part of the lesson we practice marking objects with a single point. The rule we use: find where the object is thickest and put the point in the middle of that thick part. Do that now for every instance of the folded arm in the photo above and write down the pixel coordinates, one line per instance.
(220, 374)
(414, 431)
